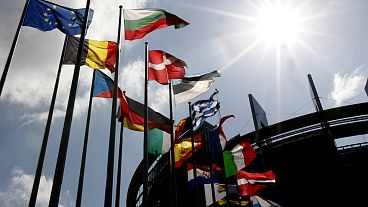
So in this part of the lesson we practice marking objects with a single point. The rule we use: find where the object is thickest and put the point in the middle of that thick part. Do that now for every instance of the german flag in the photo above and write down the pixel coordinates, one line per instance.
(95, 54)
(132, 115)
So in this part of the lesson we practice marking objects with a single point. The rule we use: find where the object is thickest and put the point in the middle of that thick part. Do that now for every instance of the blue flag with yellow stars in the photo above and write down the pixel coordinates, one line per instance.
(47, 16)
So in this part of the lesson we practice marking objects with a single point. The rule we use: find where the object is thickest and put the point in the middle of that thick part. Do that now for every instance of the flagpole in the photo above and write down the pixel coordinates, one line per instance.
(206, 137)
(120, 160)
(194, 160)
(172, 152)
(145, 142)
(111, 152)
(63, 148)
(85, 146)
(14, 44)
(41, 158)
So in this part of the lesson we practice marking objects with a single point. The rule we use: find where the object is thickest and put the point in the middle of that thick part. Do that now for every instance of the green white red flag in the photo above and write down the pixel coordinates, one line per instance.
(139, 22)
(164, 67)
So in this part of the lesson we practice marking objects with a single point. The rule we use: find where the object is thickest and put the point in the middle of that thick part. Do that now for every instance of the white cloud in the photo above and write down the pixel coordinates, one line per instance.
(17, 193)
(347, 86)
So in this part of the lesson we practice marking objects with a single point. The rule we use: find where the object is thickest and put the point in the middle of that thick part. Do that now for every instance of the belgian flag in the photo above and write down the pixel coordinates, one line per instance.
(95, 54)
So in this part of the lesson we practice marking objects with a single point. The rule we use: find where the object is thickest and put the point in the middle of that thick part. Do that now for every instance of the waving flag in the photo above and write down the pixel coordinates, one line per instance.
(95, 54)
(193, 86)
(238, 158)
(220, 192)
(258, 201)
(218, 139)
(47, 16)
(203, 109)
(104, 86)
(183, 149)
(250, 183)
(159, 142)
(139, 22)
(203, 176)
(164, 67)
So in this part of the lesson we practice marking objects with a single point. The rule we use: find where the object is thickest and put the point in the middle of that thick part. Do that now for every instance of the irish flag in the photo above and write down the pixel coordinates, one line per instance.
(164, 67)
(158, 142)
(139, 22)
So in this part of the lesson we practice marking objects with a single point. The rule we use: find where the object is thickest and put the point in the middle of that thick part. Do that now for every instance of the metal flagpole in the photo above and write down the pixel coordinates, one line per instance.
(36, 182)
(145, 142)
(63, 148)
(14, 44)
(111, 152)
(208, 143)
(85, 145)
(194, 160)
(120, 160)
(172, 152)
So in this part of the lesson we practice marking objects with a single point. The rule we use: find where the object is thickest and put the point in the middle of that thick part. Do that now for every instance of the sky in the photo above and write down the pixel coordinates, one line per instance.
(257, 53)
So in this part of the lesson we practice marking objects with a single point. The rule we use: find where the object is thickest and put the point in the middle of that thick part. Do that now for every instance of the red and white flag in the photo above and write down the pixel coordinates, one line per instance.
(250, 183)
(164, 67)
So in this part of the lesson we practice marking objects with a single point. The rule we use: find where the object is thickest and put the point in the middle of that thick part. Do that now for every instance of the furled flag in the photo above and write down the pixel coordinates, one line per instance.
(133, 111)
(218, 139)
(238, 158)
(95, 54)
(47, 16)
(250, 183)
(183, 149)
(193, 86)
(104, 86)
(203, 109)
(257, 201)
(203, 176)
(158, 142)
(220, 192)
(139, 22)
(164, 67)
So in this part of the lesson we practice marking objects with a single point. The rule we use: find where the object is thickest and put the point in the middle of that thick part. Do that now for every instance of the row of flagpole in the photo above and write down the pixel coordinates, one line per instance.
(64, 142)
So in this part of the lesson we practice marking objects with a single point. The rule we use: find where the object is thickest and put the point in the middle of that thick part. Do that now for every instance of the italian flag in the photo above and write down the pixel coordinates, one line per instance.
(164, 67)
(158, 142)
(139, 22)
(238, 158)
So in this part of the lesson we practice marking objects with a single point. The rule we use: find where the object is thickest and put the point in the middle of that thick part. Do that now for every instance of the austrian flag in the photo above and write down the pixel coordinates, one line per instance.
(164, 67)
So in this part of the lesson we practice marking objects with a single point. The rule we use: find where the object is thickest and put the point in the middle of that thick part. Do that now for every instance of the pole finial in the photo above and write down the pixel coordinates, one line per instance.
(121, 6)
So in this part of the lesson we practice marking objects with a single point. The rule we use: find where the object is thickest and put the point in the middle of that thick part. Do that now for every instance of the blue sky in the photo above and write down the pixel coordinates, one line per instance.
(330, 43)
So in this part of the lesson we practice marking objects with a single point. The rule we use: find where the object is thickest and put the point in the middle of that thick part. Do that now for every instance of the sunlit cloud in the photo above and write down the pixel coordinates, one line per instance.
(349, 85)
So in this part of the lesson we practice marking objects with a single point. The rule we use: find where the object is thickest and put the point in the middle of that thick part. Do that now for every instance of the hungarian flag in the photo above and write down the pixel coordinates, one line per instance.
(139, 22)
(95, 54)
(250, 183)
(238, 158)
(164, 67)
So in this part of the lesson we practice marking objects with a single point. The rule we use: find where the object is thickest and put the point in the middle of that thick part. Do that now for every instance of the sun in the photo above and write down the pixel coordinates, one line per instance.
(278, 24)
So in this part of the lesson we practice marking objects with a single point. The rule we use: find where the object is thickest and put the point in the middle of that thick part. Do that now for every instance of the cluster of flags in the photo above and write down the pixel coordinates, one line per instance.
(191, 133)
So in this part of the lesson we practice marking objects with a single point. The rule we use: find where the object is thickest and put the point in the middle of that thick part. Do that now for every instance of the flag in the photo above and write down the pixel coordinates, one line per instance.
(232, 203)
(193, 86)
(238, 158)
(250, 183)
(220, 192)
(203, 176)
(139, 22)
(182, 129)
(164, 67)
(218, 139)
(46, 16)
(104, 86)
(183, 149)
(95, 54)
(133, 111)
(202, 109)
(257, 201)
(159, 142)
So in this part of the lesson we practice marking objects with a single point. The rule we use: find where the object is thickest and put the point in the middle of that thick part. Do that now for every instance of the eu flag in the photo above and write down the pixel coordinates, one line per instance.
(47, 16)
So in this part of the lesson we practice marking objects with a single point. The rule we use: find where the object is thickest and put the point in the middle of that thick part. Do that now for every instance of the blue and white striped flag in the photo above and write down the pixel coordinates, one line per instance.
(203, 109)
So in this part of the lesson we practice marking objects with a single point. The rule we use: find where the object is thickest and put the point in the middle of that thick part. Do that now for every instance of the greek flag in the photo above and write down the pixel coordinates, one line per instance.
(203, 109)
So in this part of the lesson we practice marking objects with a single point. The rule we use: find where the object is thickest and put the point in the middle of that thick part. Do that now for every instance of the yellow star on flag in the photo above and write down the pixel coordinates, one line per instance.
(54, 7)
(46, 20)
(45, 14)
(70, 24)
